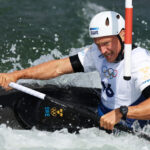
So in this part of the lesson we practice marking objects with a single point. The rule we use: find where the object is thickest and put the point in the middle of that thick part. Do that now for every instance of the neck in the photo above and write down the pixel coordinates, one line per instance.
(120, 55)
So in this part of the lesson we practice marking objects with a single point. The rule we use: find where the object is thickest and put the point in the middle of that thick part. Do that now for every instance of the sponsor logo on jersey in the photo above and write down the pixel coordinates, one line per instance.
(109, 72)
(145, 73)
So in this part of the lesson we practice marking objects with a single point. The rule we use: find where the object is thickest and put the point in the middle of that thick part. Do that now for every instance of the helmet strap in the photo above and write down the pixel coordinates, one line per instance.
(120, 55)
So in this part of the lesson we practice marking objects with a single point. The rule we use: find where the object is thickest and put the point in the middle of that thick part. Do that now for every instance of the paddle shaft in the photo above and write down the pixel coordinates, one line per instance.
(27, 90)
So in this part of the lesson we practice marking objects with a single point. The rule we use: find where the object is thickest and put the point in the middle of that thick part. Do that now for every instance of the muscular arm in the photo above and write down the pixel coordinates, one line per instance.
(47, 70)
(140, 111)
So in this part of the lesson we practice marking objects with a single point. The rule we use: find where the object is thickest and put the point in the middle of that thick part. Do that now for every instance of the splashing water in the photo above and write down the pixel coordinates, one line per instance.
(32, 33)
(88, 139)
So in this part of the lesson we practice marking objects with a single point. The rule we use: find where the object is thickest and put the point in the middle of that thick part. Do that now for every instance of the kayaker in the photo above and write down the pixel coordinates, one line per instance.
(120, 99)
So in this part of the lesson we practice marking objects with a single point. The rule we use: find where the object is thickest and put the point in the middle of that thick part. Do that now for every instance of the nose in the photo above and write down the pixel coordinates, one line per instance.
(103, 49)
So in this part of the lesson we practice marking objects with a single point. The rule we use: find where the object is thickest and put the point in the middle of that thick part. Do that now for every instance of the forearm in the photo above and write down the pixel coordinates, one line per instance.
(46, 70)
(140, 111)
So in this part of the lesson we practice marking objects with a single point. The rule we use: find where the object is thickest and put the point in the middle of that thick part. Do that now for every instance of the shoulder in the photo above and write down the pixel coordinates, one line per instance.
(89, 57)
(140, 57)
(90, 51)
(139, 52)
(95, 50)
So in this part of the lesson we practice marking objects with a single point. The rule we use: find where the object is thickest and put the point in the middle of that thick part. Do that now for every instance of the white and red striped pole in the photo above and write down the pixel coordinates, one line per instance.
(128, 39)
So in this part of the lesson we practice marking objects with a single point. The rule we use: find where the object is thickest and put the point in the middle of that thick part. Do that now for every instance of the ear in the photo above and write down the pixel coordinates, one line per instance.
(122, 34)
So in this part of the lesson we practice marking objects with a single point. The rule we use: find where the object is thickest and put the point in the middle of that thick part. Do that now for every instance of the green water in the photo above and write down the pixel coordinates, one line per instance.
(30, 29)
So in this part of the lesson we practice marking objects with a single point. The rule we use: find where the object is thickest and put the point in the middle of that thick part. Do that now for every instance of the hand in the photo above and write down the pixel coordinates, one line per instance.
(6, 78)
(109, 120)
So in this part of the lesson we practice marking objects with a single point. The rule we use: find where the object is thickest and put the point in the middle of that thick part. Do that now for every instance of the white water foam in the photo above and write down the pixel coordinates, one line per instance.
(90, 9)
(88, 139)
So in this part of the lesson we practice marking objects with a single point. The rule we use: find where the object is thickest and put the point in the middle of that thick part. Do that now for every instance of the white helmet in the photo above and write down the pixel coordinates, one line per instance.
(106, 23)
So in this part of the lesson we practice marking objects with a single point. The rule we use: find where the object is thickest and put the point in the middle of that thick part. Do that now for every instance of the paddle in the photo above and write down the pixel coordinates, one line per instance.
(79, 109)
(67, 107)
(85, 112)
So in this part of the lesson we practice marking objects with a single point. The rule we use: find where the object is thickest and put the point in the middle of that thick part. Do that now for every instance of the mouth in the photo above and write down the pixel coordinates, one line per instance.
(107, 54)
(109, 57)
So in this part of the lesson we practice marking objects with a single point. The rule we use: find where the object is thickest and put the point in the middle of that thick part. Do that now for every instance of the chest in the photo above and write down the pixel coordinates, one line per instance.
(112, 80)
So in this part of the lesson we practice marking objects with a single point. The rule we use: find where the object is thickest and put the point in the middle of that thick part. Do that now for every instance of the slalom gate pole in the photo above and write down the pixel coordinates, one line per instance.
(128, 39)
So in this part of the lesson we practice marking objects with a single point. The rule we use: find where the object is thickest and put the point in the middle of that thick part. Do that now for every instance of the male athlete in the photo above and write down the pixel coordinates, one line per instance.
(120, 99)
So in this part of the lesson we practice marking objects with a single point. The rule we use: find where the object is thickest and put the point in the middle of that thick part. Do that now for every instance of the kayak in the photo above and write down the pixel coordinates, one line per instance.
(73, 108)
(23, 111)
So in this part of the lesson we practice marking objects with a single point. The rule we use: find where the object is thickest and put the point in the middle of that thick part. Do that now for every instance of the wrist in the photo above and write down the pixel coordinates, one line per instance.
(18, 75)
(124, 111)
